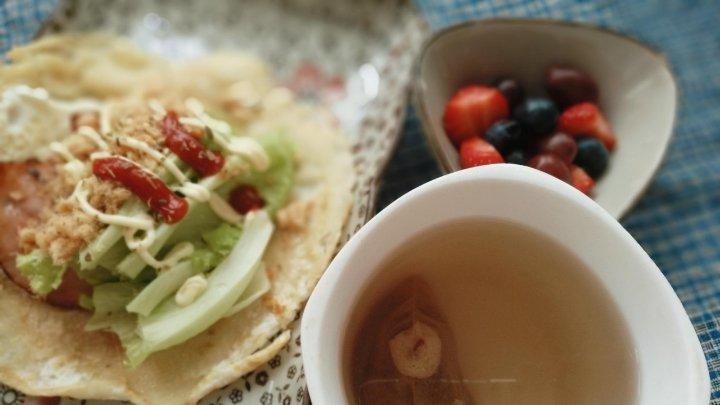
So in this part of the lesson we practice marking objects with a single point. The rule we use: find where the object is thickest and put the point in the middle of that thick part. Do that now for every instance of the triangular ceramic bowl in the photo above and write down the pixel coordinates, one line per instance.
(638, 91)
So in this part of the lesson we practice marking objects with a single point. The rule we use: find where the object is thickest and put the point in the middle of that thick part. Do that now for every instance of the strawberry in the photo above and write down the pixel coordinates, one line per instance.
(477, 152)
(586, 119)
(581, 180)
(471, 111)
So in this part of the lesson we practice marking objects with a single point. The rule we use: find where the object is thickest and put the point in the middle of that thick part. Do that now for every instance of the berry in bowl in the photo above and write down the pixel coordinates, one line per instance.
(586, 105)
(498, 124)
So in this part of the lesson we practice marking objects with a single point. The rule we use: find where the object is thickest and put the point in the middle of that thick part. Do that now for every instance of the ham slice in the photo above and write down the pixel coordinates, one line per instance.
(23, 196)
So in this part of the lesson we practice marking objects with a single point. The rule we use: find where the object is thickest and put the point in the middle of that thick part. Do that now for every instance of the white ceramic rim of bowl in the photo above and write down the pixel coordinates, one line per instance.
(424, 115)
(671, 366)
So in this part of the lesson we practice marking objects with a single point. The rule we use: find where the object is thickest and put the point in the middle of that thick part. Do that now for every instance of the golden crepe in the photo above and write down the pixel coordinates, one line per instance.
(44, 349)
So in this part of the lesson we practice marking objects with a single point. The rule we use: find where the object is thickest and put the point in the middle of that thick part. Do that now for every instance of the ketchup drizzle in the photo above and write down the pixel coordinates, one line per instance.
(145, 185)
(246, 198)
(188, 148)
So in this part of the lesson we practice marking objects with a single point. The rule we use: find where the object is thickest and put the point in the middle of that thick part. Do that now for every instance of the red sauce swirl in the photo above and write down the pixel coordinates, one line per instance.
(149, 188)
(190, 149)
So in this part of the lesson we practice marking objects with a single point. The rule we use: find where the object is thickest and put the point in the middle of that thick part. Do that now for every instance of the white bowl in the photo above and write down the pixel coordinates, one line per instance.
(671, 367)
(638, 94)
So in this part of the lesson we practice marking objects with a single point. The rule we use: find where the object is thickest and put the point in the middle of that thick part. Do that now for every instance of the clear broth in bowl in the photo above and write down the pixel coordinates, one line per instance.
(518, 318)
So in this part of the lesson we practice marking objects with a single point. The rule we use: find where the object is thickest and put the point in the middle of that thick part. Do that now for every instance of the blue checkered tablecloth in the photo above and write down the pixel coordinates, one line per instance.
(678, 219)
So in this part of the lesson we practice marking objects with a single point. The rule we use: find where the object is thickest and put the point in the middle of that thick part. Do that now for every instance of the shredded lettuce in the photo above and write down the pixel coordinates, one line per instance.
(203, 259)
(143, 313)
(198, 218)
(275, 183)
(38, 267)
(222, 239)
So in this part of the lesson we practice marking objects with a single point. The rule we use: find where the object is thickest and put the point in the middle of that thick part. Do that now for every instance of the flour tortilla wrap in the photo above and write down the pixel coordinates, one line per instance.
(44, 350)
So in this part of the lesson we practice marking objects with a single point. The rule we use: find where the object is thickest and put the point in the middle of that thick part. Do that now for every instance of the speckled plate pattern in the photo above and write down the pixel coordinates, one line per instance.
(354, 56)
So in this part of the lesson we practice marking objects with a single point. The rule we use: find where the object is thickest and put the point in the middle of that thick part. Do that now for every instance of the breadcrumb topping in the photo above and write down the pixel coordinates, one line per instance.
(64, 229)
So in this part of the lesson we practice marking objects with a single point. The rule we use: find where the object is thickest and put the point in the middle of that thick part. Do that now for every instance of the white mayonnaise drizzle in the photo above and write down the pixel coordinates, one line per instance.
(157, 108)
(160, 157)
(77, 170)
(223, 210)
(221, 131)
(191, 289)
(197, 192)
(81, 195)
(91, 133)
(73, 166)
(144, 243)
(173, 257)
(105, 126)
(25, 110)
(62, 150)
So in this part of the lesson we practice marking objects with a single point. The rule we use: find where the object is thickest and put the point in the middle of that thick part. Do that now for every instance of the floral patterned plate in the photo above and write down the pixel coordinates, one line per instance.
(355, 56)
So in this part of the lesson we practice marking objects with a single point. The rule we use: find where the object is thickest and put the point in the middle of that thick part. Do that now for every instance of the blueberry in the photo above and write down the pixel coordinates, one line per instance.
(504, 135)
(592, 156)
(538, 116)
(511, 89)
(517, 156)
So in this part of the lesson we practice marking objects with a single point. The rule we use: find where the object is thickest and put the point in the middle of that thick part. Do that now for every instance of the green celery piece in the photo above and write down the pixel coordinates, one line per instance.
(38, 267)
(259, 285)
(113, 297)
(98, 275)
(103, 321)
(114, 255)
(109, 301)
(163, 286)
(90, 256)
(171, 324)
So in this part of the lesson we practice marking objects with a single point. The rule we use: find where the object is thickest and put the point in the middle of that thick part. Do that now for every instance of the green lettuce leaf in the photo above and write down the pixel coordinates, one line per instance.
(222, 239)
(275, 183)
(38, 267)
